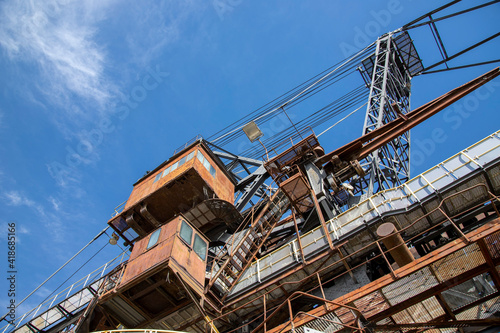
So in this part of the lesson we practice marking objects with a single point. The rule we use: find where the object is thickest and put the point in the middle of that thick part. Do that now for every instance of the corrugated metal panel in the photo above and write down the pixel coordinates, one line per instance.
(326, 324)
(371, 304)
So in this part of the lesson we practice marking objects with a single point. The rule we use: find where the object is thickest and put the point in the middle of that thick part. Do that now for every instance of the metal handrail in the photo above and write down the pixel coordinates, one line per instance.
(119, 208)
(65, 294)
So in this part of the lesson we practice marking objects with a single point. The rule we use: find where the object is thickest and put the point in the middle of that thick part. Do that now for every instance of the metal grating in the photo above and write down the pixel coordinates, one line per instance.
(345, 315)
(422, 312)
(481, 311)
(493, 242)
(458, 262)
(409, 286)
(409, 53)
(470, 291)
(371, 304)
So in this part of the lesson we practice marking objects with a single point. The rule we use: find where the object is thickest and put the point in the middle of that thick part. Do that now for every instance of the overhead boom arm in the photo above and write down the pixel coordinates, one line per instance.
(368, 143)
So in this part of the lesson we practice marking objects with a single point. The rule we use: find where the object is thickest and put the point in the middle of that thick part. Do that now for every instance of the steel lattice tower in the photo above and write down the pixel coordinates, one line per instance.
(388, 74)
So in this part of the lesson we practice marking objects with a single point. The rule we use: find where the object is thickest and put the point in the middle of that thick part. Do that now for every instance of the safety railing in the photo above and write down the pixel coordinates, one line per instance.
(70, 300)
(119, 208)
(196, 138)
(274, 310)
(413, 192)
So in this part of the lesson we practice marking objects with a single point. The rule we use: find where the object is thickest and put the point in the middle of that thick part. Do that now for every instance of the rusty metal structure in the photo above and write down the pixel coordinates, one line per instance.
(308, 241)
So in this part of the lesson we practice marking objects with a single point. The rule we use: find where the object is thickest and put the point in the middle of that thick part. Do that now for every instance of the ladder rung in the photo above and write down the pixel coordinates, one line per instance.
(242, 258)
(235, 264)
(223, 279)
(229, 272)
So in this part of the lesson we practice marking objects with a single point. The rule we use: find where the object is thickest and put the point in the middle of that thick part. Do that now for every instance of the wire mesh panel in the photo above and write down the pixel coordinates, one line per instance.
(458, 262)
(371, 304)
(409, 286)
(493, 242)
(470, 291)
(481, 311)
(422, 312)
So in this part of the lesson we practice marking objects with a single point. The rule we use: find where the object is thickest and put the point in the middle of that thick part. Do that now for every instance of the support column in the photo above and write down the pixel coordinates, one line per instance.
(395, 244)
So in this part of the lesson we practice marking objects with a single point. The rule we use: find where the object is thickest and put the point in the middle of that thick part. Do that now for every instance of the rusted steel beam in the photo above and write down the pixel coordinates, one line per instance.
(393, 274)
(300, 293)
(477, 302)
(321, 218)
(430, 292)
(443, 324)
(483, 231)
(363, 146)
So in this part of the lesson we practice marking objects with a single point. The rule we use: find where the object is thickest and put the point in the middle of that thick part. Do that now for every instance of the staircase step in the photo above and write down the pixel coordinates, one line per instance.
(235, 264)
(240, 256)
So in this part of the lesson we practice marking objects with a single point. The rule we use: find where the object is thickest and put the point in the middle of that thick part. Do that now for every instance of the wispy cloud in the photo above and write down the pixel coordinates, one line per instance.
(58, 38)
(157, 26)
(51, 221)
(55, 203)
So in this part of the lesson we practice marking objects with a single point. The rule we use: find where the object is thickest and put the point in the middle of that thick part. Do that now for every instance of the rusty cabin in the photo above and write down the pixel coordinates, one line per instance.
(193, 182)
(162, 269)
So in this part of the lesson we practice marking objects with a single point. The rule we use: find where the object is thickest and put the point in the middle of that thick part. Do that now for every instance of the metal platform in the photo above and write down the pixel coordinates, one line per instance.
(476, 165)
(64, 308)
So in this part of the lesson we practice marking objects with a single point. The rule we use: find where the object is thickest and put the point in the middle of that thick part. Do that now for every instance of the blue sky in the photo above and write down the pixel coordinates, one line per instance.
(94, 93)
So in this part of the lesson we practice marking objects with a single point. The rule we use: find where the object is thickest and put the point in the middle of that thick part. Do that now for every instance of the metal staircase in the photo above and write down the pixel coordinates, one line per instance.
(239, 257)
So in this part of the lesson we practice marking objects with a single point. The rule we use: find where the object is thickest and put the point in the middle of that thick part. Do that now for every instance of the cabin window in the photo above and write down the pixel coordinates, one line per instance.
(158, 176)
(200, 157)
(212, 171)
(190, 156)
(182, 161)
(186, 232)
(200, 247)
(166, 172)
(153, 239)
(174, 166)
(206, 164)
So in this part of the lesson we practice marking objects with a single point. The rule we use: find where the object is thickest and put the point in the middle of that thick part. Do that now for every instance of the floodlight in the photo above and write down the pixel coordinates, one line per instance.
(252, 131)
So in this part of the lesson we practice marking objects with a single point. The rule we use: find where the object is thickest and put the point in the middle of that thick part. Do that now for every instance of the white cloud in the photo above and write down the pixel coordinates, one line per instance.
(58, 37)
(51, 221)
(55, 203)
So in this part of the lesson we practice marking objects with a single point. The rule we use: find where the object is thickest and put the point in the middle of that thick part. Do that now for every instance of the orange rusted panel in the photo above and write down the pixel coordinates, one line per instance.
(169, 252)
(174, 192)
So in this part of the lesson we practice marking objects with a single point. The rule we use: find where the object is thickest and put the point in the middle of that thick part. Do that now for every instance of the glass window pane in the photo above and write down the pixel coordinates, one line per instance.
(130, 234)
(206, 164)
(153, 239)
(212, 170)
(120, 224)
(182, 160)
(158, 176)
(200, 247)
(174, 166)
(200, 157)
(186, 232)
(166, 172)
(190, 156)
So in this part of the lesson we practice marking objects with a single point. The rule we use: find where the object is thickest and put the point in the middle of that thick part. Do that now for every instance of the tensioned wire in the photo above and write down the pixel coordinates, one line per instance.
(293, 97)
